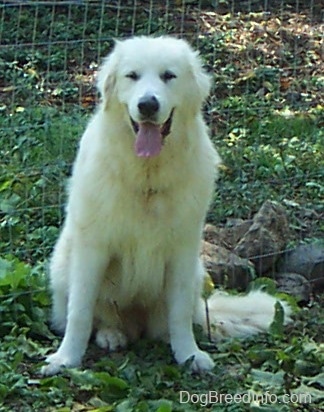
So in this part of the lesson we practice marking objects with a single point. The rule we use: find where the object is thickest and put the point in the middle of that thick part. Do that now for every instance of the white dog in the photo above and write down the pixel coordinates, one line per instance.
(127, 261)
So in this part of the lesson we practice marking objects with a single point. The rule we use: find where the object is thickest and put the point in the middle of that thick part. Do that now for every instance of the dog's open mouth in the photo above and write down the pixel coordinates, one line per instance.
(150, 137)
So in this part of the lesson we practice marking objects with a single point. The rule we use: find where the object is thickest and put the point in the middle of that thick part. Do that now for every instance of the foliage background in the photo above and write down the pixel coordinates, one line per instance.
(266, 118)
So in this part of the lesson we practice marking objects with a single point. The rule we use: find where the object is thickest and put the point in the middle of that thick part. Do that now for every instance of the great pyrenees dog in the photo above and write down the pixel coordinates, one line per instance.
(127, 261)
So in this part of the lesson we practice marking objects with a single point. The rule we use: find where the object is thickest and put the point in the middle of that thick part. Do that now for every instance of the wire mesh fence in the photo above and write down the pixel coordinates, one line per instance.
(265, 114)
(265, 111)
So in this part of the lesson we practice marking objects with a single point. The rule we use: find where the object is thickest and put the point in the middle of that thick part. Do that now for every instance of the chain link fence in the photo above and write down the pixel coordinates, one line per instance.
(265, 111)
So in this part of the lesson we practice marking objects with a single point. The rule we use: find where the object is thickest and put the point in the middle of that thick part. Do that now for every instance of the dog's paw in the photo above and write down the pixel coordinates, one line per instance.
(110, 338)
(199, 361)
(56, 362)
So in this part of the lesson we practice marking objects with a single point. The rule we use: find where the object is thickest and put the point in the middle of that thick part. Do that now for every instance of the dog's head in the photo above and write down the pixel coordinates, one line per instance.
(153, 79)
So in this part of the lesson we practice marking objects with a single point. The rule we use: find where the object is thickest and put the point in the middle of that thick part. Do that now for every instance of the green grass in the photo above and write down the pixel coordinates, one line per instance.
(270, 156)
(145, 378)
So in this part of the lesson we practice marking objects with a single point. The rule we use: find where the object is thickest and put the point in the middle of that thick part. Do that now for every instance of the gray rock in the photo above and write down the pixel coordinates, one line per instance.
(229, 235)
(307, 260)
(295, 285)
(266, 238)
(226, 268)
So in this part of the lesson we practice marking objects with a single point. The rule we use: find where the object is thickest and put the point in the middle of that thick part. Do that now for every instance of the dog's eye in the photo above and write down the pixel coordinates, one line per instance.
(132, 75)
(167, 75)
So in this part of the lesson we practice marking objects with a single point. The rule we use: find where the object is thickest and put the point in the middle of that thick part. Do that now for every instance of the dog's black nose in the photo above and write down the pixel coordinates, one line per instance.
(148, 105)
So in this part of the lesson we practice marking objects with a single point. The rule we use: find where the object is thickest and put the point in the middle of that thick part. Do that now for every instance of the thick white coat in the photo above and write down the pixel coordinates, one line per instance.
(127, 261)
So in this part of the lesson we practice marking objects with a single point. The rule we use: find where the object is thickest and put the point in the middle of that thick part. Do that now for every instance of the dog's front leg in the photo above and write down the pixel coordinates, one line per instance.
(87, 268)
(181, 293)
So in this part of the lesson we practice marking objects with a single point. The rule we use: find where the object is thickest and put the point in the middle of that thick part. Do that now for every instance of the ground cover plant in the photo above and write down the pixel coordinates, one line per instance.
(266, 117)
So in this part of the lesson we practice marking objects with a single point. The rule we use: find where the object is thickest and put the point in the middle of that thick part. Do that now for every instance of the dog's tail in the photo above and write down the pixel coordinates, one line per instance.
(227, 316)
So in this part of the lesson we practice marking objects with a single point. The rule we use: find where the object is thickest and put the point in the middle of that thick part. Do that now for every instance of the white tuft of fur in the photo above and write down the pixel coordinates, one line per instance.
(112, 339)
(240, 316)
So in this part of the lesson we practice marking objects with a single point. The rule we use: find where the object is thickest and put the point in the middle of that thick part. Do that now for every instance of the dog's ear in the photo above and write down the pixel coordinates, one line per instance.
(202, 79)
(106, 77)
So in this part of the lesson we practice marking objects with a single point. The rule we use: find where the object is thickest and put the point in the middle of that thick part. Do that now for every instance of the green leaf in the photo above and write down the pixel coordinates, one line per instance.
(308, 394)
(277, 325)
(13, 273)
(111, 381)
(268, 379)
(164, 405)
(54, 381)
(266, 284)
(269, 408)
(318, 379)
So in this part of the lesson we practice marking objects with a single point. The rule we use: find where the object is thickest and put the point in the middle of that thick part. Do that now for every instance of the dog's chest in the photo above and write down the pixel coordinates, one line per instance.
(153, 200)
(151, 193)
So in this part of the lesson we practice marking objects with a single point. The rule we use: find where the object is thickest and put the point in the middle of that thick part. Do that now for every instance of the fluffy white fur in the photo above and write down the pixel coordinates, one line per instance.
(239, 316)
(127, 261)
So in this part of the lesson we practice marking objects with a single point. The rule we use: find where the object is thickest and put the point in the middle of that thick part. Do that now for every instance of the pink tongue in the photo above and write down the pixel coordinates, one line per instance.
(148, 140)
